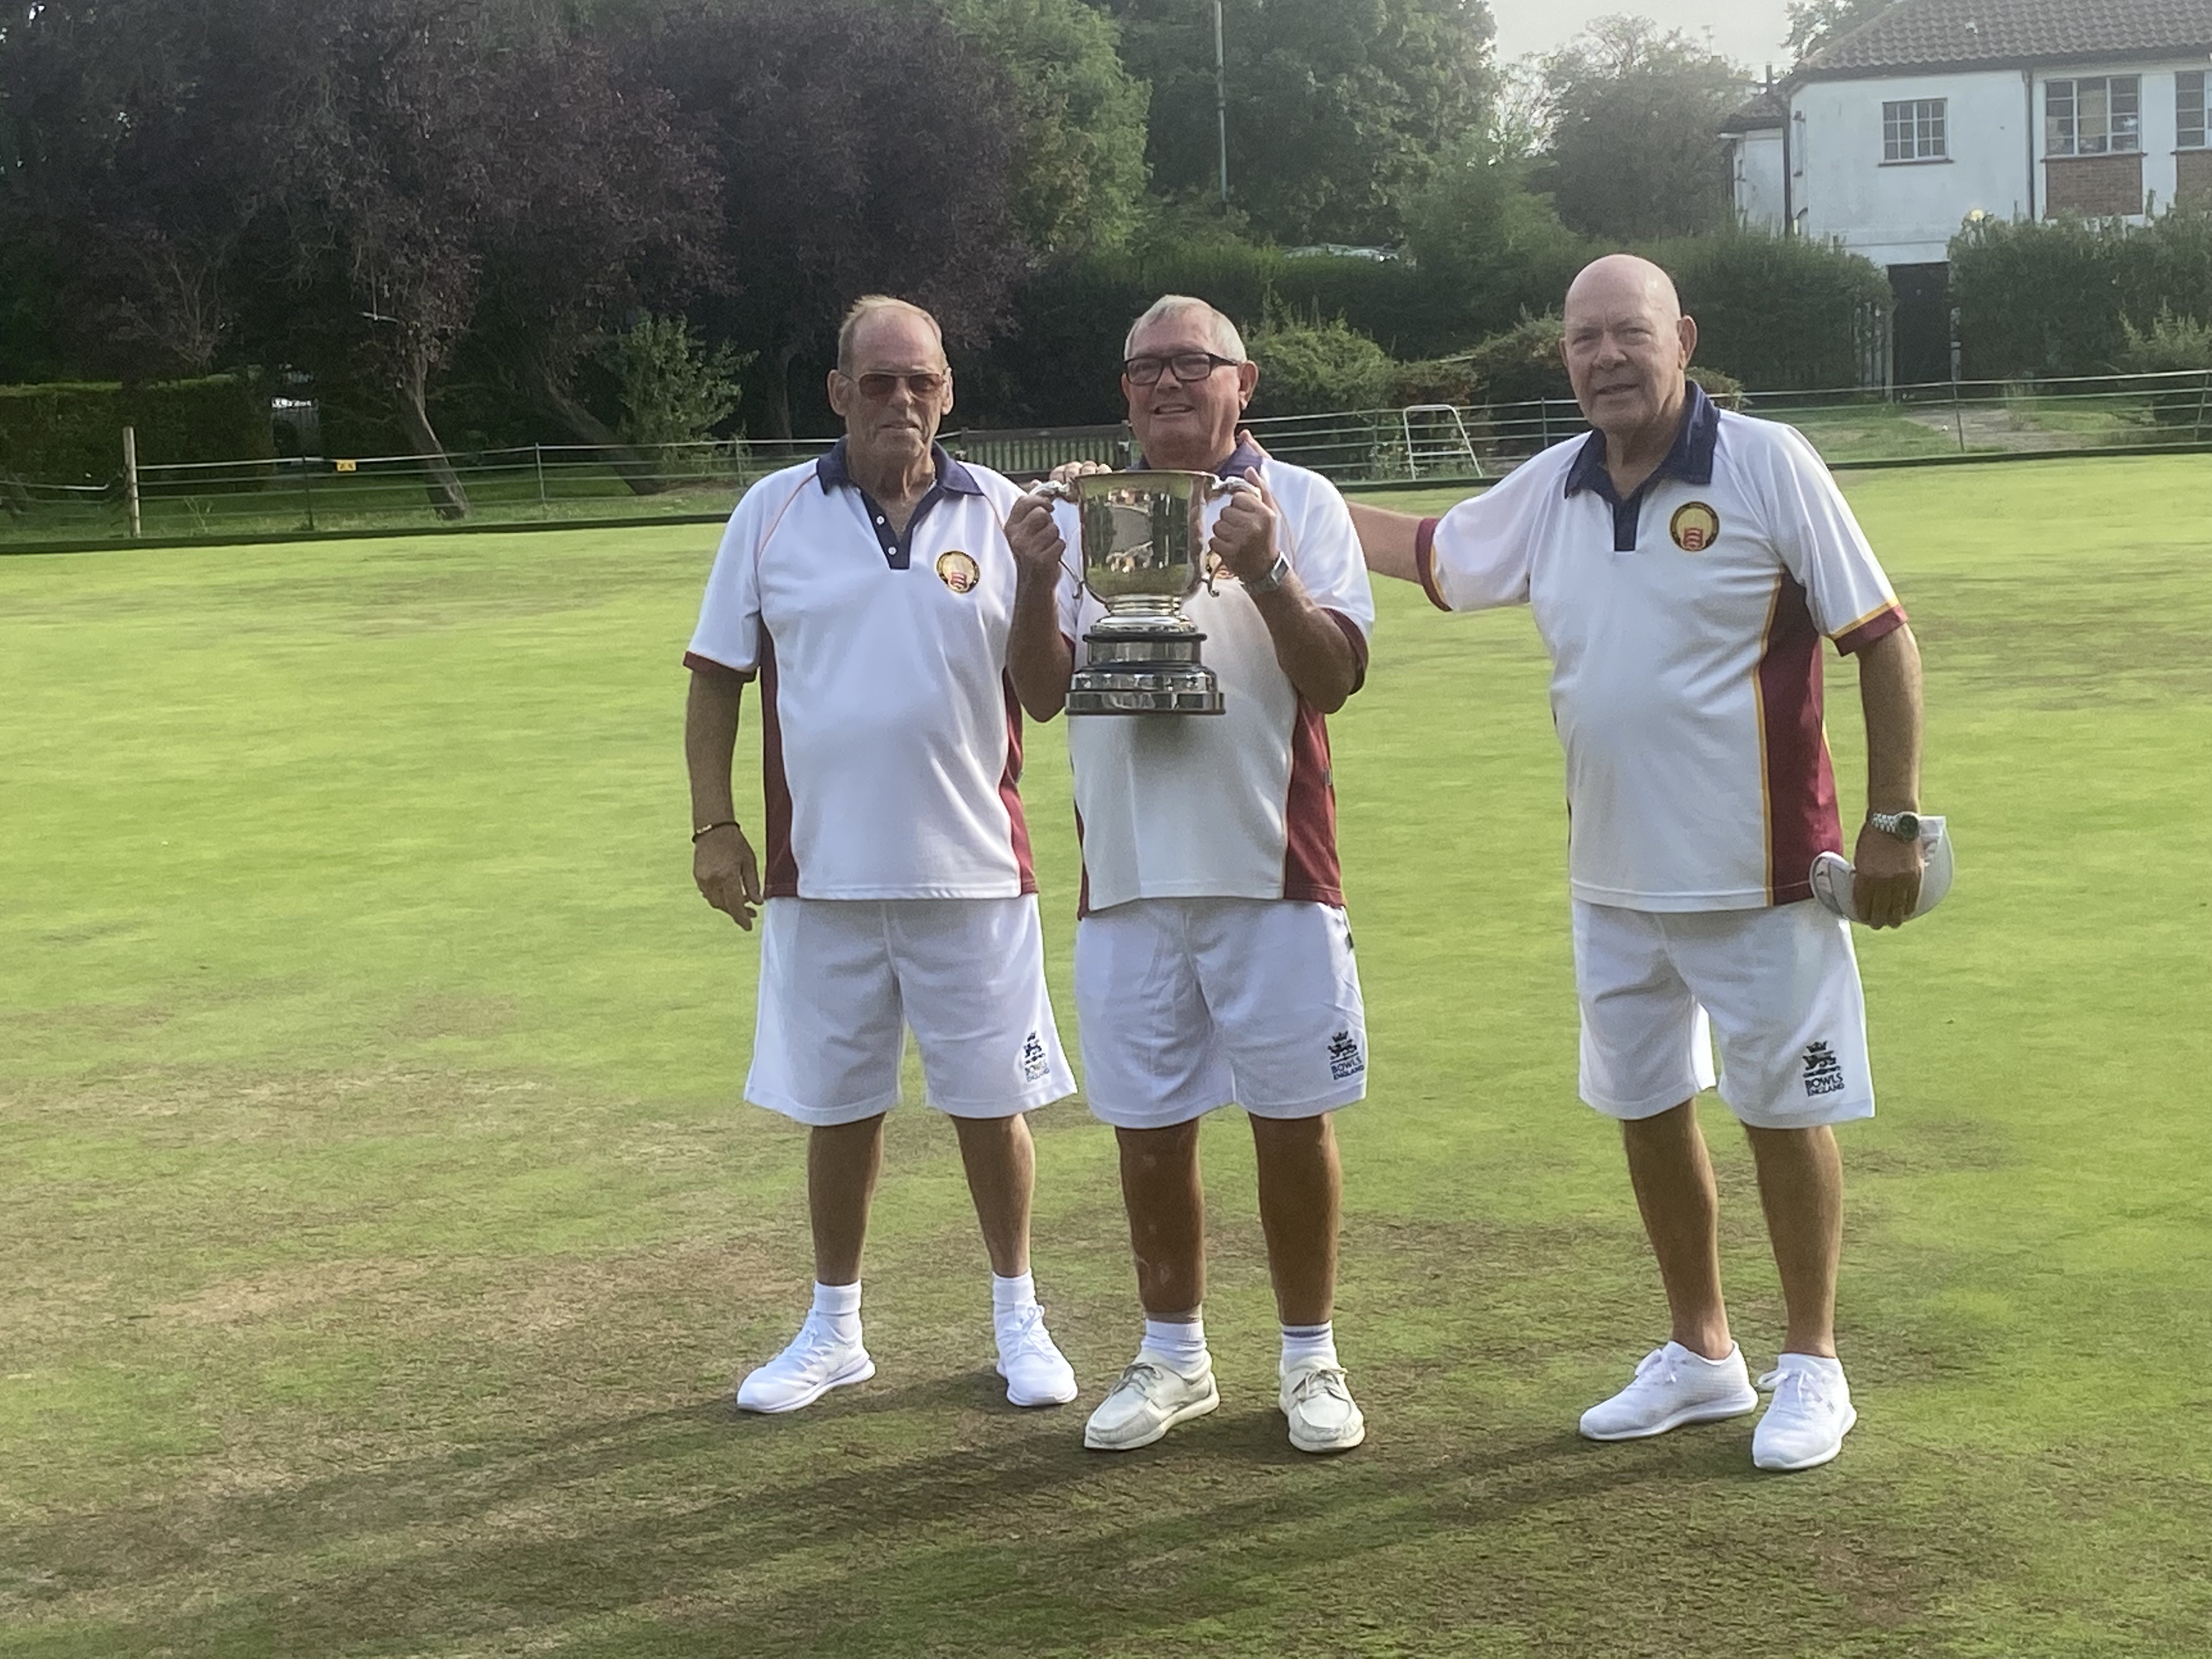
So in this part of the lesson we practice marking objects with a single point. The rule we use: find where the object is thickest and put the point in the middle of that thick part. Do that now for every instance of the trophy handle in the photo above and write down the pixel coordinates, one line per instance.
(1214, 490)
(1052, 490)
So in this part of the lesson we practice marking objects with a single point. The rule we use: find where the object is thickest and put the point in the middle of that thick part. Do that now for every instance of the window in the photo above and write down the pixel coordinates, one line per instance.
(2189, 109)
(2094, 116)
(1913, 130)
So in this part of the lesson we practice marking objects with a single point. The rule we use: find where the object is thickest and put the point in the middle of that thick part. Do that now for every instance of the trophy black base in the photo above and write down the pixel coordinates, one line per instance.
(1142, 671)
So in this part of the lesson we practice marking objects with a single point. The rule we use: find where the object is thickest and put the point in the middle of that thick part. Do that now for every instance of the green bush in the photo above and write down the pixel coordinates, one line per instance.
(2060, 297)
(2172, 345)
(72, 433)
(1521, 365)
(673, 389)
(1311, 367)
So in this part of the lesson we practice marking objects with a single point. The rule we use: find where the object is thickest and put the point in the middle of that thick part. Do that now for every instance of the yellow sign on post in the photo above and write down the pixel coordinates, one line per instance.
(344, 466)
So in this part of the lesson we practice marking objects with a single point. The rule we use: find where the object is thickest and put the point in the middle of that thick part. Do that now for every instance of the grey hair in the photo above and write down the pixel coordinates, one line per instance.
(870, 305)
(1227, 342)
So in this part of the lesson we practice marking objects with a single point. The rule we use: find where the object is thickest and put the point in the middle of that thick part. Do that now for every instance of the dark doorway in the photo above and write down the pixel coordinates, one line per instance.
(1923, 327)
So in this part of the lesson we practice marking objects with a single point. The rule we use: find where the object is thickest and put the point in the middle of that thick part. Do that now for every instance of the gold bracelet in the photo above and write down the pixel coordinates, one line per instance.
(709, 828)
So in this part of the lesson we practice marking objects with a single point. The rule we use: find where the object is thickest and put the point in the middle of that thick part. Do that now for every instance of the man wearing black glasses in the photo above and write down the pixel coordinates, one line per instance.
(871, 594)
(1212, 961)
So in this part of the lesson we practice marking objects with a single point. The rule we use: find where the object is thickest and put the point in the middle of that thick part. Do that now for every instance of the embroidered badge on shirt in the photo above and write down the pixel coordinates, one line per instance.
(1693, 527)
(958, 572)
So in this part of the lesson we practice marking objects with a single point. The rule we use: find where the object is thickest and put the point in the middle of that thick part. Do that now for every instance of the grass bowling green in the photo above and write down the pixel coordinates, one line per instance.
(383, 1231)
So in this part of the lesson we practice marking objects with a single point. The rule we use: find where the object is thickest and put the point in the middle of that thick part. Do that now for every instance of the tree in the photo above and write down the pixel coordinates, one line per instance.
(1478, 228)
(854, 158)
(1337, 108)
(1814, 23)
(1078, 171)
(1635, 148)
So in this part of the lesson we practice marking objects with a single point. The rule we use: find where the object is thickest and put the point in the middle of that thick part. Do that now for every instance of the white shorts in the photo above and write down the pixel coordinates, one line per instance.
(1778, 986)
(840, 979)
(1190, 1003)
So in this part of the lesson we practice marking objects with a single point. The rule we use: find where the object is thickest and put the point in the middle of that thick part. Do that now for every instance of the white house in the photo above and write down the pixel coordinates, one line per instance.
(1890, 137)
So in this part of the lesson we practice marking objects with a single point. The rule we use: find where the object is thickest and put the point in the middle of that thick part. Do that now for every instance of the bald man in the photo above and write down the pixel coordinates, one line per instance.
(871, 593)
(1682, 564)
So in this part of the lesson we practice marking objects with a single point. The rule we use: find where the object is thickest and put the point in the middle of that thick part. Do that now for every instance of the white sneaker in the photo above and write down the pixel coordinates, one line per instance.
(815, 1361)
(1036, 1372)
(1151, 1398)
(1318, 1401)
(1674, 1385)
(1811, 1413)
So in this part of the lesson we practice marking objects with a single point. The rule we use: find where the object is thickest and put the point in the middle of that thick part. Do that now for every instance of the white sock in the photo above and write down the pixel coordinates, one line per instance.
(1181, 1342)
(1010, 1299)
(1305, 1343)
(837, 1307)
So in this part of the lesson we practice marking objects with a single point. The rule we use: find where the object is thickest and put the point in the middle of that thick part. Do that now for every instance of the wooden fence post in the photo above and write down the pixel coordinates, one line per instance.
(130, 478)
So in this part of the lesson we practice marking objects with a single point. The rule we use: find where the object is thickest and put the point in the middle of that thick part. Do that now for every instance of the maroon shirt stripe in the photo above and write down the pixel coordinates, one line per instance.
(1310, 869)
(782, 871)
(1009, 787)
(1883, 621)
(1802, 820)
(1425, 561)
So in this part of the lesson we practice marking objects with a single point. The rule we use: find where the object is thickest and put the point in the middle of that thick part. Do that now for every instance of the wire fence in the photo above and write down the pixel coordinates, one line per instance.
(555, 483)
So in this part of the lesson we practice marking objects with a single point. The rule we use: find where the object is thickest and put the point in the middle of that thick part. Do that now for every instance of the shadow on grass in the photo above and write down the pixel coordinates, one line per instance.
(797, 1534)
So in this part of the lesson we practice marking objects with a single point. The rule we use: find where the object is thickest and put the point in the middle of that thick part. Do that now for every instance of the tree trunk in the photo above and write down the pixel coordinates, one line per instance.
(448, 498)
(635, 470)
(778, 393)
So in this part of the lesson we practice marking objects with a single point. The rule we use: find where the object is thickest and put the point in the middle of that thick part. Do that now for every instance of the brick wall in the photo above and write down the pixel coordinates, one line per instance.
(2097, 186)
(2193, 177)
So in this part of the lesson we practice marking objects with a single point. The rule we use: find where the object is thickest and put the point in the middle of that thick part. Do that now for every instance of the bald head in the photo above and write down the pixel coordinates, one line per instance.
(1628, 345)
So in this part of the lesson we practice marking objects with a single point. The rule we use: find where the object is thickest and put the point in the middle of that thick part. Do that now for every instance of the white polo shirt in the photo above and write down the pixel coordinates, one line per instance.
(1239, 804)
(1684, 626)
(891, 743)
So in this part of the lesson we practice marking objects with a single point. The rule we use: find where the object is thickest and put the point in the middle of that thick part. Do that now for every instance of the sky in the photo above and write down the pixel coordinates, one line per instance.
(1749, 31)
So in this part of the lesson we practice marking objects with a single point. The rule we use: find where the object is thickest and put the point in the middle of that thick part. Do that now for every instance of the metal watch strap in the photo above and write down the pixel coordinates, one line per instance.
(1273, 579)
(1894, 823)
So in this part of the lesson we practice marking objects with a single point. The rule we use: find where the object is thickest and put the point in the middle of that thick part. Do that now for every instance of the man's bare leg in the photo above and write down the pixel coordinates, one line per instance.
(1000, 1159)
(842, 1163)
(1673, 1176)
(1166, 1202)
(1801, 1188)
(1301, 1197)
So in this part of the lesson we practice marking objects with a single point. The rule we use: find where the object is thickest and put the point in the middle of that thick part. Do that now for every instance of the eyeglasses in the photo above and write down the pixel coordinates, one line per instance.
(1185, 366)
(879, 388)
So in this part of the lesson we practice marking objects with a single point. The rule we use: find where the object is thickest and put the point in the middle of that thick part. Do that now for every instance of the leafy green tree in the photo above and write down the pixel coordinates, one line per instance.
(673, 388)
(1078, 171)
(1479, 230)
(1814, 23)
(1337, 108)
(1635, 148)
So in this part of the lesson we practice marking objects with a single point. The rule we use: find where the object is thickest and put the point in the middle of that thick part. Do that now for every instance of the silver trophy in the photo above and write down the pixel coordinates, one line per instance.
(1143, 548)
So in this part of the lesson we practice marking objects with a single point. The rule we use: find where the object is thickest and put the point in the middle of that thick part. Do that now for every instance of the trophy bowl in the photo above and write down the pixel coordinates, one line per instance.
(1143, 551)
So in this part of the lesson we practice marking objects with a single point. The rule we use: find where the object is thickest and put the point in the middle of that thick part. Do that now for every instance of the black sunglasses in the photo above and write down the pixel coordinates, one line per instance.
(1186, 365)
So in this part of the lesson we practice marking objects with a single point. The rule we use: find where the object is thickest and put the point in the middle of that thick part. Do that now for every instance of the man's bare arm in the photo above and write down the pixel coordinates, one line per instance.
(1039, 659)
(1388, 540)
(722, 861)
(1886, 870)
(1311, 646)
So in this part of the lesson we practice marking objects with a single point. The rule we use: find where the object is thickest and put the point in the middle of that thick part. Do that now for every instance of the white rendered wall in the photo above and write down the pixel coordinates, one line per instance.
(1755, 167)
(1906, 212)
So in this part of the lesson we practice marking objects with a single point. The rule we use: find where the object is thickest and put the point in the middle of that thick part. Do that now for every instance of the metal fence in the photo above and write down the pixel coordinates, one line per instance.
(552, 483)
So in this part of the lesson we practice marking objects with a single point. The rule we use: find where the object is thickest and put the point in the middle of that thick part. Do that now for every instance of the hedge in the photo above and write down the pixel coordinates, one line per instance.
(2060, 297)
(1775, 314)
(72, 432)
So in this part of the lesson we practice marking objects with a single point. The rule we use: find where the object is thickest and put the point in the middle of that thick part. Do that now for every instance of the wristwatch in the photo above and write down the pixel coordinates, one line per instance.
(1272, 580)
(1905, 826)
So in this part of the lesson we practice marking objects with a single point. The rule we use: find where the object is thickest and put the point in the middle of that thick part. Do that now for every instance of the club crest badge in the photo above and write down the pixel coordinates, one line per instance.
(1694, 527)
(958, 572)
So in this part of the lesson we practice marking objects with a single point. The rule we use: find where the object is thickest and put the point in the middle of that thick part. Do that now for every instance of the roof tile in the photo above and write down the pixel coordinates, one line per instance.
(1915, 34)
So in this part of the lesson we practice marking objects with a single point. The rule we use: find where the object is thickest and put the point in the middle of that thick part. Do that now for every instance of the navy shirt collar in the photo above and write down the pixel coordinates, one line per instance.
(951, 476)
(1245, 458)
(1690, 458)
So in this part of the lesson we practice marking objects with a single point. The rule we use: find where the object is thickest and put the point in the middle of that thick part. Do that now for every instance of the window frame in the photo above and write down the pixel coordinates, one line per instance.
(1915, 129)
(2182, 110)
(2111, 90)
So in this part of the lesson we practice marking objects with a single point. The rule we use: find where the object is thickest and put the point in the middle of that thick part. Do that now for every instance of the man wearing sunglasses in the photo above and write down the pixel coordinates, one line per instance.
(871, 593)
(1212, 962)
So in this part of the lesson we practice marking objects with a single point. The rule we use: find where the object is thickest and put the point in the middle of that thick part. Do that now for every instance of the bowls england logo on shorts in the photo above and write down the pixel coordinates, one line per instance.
(958, 572)
(1694, 527)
